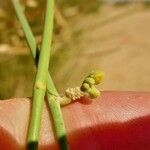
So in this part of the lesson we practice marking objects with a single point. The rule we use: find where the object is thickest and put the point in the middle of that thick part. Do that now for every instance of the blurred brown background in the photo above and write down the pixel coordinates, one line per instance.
(111, 35)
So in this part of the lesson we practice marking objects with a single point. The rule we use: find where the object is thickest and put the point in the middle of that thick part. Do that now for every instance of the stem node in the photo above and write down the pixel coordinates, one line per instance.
(39, 85)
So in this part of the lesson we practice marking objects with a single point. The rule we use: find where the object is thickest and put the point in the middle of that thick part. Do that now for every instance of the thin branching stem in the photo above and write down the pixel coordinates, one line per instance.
(32, 42)
(41, 77)
(52, 93)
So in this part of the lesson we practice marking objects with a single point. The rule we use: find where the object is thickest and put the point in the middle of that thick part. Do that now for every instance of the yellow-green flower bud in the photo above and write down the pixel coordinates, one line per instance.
(85, 87)
(97, 76)
(89, 81)
(93, 92)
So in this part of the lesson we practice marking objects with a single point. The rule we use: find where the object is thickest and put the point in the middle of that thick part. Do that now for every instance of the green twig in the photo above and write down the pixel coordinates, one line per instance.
(60, 130)
(32, 42)
(41, 77)
(54, 105)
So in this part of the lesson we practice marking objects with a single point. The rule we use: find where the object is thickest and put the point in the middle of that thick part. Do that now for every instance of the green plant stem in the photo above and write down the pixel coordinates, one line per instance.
(41, 78)
(60, 130)
(54, 106)
(32, 42)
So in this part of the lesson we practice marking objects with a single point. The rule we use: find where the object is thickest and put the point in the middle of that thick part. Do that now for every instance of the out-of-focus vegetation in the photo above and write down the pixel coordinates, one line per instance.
(87, 33)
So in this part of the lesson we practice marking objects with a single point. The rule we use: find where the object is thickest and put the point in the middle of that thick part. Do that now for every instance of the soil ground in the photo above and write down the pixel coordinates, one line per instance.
(115, 39)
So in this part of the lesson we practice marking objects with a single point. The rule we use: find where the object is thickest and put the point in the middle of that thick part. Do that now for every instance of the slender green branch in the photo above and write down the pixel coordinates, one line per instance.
(60, 131)
(54, 105)
(41, 77)
(28, 33)
(31, 41)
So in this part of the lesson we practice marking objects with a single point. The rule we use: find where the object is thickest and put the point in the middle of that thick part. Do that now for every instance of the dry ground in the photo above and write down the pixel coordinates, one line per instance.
(115, 39)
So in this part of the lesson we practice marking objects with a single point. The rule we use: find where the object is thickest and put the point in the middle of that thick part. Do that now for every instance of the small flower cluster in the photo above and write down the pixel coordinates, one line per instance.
(88, 85)
(87, 88)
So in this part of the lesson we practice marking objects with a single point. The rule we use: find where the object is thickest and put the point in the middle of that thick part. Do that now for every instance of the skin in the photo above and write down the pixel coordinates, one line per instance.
(114, 121)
